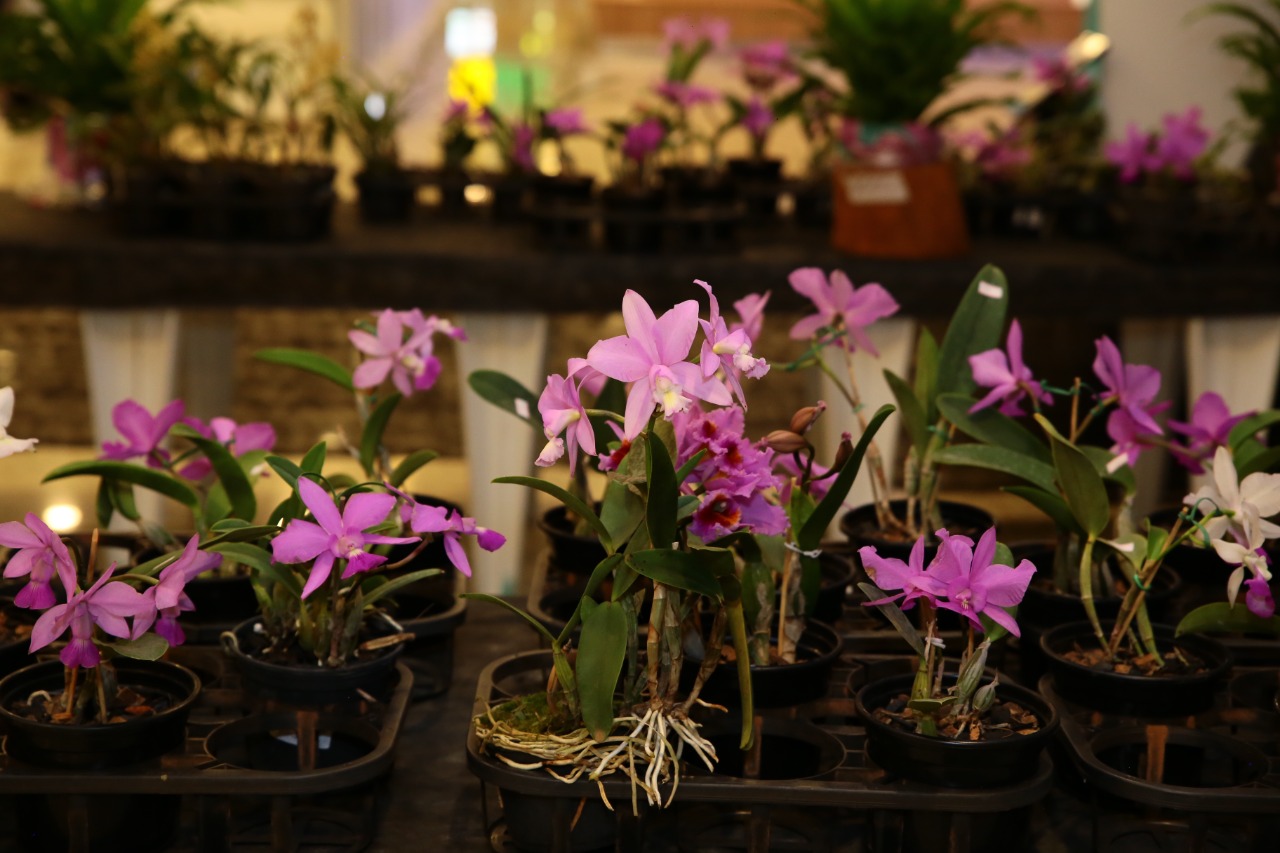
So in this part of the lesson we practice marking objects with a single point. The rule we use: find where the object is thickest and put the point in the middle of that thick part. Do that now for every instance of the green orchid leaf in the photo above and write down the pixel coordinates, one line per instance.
(575, 504)
(930, 707)
(147, 647)
(1051, 504)
(1080, 482)
(1248, 428)
(815, 527)
(506, 605)
(990, 427)
(1266, 461)
(738, 631)
(926, 382)
(599, 574)
(1222, 618)
(745, 544)
(235, 484)
(139, 475)
(248, 533)
(1157, 538)
(621, 511)
(286, 469)
(976, 326)
(995, 458)
(507, 394)
(911, 410)
(122, 499)
(371, 437)
(104, 507)
(895, 616)
(1131, 547)
(694, 571)
(396, 584)
(410, 465)
(313, 461)
(683, 472)
(311, 362)
(660, 513)
(601, 653)
(1103, 460)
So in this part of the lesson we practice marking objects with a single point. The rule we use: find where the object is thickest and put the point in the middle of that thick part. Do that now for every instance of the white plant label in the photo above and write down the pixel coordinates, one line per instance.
(522, 407)
(887, 187)
(991, 291)
(1116, 463)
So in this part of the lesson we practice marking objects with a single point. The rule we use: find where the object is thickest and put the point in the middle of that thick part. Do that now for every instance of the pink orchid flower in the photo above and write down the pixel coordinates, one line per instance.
(1209, 428)
(168, 598)
(750, 310)
(1131, 155)
(840, 306)
(685, 95)
(8, 444)
(889, 573)
(975, 586)
(238, 438)
(767, 64)
(562, 412)
(42, 555)
(409, 362)
(143, 432)
(335, 535)
(1007, 376)
(731, 350)
(1132, 387)
(103, 604)
(1182, 142)
(642, 139)
(452, 525)
(565, 121)
(758, 118)
(652, 355)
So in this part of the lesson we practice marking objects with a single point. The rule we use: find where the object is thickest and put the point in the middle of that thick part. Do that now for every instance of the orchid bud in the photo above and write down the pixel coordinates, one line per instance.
(805, 418)
(985, 696)
(842, 453)
(785, 441)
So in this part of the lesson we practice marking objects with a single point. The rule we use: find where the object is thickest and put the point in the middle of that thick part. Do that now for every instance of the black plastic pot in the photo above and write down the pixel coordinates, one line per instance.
(310, 686)
(954, 764)
(758, 183)
(779, 686)
(562, 210)
(859, 527)
(633, 220)
(811, 202)
(13, 651)
(386, 195)
(573, 553)
(1156, 227)
(510, 195)
(1135, 695)
(837, 574)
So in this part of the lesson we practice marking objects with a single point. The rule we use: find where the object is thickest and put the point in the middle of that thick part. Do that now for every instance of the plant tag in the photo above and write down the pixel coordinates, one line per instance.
(1116, 463)
(887, 187)
(991, 291)
(522, 407)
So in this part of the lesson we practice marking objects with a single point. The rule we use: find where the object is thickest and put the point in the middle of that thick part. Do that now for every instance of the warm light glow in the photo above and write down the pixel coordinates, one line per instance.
(470, 32)
(476, 194)
(62, 518)
(375, 106)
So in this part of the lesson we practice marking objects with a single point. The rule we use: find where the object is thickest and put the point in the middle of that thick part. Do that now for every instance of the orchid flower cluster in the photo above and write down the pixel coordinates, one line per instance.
(131, 614)
(461, 128)
(980, 583)
(1159, 157)
(1100, 549)
(687, 44)
(764, 67)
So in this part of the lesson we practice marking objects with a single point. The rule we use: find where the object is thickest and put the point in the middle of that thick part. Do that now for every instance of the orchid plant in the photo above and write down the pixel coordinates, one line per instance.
(765, 67)
(687, 44)
(1100, 549)
(838, 329)
(686, 500)
(982, 584)
(458, 135)
(1160, 161)
(636, 146)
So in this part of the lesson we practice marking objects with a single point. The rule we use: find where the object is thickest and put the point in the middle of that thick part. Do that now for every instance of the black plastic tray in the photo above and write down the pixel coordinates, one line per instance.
(865, 796)
(227, 805)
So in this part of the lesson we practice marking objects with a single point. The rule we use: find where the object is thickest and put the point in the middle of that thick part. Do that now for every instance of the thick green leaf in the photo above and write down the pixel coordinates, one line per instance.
(601, 652)
(310, 362)
(1101, 459)
(231, 476)
(313, 461)
(1221, 618)
(602, 570)
(572, 501)
(694, 571)
(975, 327)
(995, 458)
(991, 427)
(1051, 504)
(1080, 483)
(738, 631)
(122, 499)
(815, 527)
(507, 394)
(1251, 426)
(1268, 461)
(911, 410)
(147, 647)
(621, 512)
(371, 437)
(259, 559)
(286, 469)
(660, 512)
(895, 616)
(248, 533)
(926, 382)
(148, 478)
(398, 583)
(409, 465)
(104, 507)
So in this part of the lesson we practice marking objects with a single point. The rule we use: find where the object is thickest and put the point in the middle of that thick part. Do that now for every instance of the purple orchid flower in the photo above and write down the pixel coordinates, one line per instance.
(105, 605)
(1132, 155)
(726, 349)
(1132, 387)
(410, 362)
(685, 95)
(562, 412)
(238, 438)
(457, 110)
(143, 432)
(841, 306)
(452, 526)
(335, 536)
(168, 598)
(1007, 376)
(1129, 437)
(688, 35)
(42, 555)
(652, 355)
(889, 573)
(1183, 141)
(1258, 598)
(523, 136)
(1209, 428)
(975, 586)
(565, 121)
(758, 118)
(643, 139)
(766, 64)
(750, 310)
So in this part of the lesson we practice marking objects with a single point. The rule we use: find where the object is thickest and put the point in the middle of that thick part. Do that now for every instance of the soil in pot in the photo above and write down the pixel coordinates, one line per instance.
(781, 685)
(1195, 667)
(15, 636)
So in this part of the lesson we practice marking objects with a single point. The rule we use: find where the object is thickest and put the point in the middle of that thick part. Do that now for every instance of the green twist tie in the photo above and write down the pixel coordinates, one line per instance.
(1137, 581)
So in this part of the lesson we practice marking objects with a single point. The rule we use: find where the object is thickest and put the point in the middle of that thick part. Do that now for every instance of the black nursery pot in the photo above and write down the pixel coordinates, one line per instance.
(563, 209)
(1136, 695)
(859, 526)
(954, 764)
(758, 184)
(632, 219)
(386, 195)
(510, 196)
(573, 553)
(779, 686)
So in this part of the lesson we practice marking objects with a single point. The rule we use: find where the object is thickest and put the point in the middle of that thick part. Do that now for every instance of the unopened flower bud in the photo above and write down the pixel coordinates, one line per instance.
(785, 441)
(843, 452)
(805, 418)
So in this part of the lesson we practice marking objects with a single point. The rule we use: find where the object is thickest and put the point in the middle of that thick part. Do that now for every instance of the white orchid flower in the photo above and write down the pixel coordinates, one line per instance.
(1244, 506)
(8, 444)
